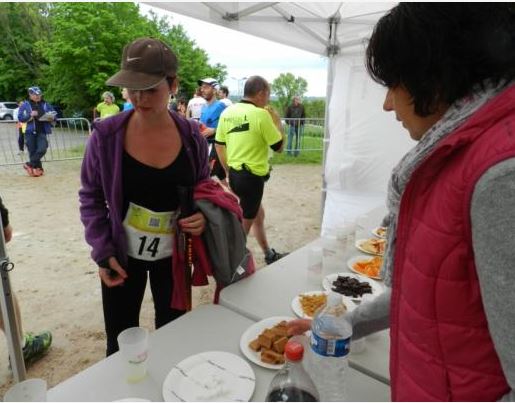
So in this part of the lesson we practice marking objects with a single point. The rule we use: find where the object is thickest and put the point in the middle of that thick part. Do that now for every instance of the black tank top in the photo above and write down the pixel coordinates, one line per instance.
(155, 188)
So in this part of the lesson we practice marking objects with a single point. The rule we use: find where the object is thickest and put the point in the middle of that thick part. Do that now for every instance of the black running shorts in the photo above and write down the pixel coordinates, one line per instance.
(249, 188)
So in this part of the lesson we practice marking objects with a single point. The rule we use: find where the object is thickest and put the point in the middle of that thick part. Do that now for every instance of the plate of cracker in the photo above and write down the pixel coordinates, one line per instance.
(380, 232)
(372, 246)
(307, 303)
(263, 342)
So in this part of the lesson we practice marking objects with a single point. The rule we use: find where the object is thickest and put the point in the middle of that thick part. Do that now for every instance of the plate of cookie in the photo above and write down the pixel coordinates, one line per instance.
(263, 342)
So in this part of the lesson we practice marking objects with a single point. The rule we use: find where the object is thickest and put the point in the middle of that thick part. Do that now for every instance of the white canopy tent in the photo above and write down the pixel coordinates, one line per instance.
(362, 143)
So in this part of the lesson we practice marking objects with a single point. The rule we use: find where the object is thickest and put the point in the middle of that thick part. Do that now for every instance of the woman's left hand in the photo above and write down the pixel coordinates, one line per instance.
(194, 224)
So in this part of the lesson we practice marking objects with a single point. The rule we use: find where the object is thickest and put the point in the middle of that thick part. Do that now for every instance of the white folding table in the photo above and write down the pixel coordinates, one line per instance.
(270, 291)
(206, 328)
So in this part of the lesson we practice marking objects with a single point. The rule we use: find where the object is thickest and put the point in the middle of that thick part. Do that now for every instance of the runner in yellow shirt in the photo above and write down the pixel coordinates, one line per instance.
(245, 133)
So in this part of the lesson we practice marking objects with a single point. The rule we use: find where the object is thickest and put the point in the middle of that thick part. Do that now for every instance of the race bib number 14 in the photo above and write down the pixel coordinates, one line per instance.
(149, 234)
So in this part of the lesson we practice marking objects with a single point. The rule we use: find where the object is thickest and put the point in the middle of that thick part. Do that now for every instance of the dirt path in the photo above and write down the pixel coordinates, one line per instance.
(57, 284)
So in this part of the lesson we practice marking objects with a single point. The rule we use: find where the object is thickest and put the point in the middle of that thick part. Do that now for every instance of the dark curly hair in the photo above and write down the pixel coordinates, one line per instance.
(440, 51)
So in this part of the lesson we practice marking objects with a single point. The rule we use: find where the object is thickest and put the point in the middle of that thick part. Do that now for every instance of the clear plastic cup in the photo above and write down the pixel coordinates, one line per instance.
(29, 390)
(314, 272)
(133, 343)
(358, 346)
(331, 258)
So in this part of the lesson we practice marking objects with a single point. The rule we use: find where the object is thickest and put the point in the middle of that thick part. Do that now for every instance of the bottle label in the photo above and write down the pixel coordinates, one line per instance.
(330, 347)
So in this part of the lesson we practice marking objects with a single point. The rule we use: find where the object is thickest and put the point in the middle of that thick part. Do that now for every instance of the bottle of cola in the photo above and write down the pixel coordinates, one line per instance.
(292, 383)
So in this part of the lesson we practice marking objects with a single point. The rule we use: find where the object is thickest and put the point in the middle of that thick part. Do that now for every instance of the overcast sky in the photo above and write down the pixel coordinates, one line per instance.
(249, 55)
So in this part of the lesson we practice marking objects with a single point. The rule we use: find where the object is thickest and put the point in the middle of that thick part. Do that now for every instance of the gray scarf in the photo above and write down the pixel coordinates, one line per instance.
(457, 114)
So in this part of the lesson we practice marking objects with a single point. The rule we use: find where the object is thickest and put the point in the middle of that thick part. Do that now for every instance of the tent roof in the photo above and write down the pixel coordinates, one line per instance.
(322, 28)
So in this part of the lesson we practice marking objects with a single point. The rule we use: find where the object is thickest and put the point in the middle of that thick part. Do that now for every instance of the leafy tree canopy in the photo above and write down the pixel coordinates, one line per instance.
(20, 64)
(70, 49)
(286, 86)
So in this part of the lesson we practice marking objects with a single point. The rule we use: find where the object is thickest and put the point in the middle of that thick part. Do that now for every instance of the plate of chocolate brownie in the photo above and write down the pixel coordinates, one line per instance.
(263, 342)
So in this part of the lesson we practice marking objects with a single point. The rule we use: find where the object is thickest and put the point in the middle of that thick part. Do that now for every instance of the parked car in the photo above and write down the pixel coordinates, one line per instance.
(7, 110)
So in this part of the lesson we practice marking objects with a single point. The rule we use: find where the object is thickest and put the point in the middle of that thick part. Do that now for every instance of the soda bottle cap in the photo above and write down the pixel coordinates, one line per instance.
(294, 351)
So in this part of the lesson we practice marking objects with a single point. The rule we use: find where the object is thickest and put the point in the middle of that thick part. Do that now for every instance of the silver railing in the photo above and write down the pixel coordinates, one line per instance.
(303, 135)
(67, 141)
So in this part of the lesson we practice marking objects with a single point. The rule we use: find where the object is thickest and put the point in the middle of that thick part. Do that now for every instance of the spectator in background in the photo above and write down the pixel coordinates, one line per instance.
(211, 112)
(127, 105)
(223, 94)
(34, 345)
(107, 107)
(182, 107)
(295, 116)
(38, 115)
(195, 105)
(245, 134)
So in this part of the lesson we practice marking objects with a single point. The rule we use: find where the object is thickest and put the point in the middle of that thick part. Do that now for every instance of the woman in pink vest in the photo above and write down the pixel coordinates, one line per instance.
(449, 70)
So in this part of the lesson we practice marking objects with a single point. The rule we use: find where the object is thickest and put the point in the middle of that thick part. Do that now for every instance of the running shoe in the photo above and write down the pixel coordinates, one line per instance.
(273, 256)
(36, 346)
(29, 169)
(38, 171)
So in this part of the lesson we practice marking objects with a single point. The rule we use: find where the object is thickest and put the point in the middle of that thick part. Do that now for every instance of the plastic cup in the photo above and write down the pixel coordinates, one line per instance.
(362, 228)
(314, 272)
(133, 343)
(29, 390)
(358, 346)
(331, 258)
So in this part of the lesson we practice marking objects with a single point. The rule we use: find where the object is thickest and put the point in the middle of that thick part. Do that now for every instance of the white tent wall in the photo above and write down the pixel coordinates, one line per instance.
(364, 142)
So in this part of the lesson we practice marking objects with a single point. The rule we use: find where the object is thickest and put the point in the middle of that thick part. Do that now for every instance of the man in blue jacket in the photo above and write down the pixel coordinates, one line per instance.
(38, 114)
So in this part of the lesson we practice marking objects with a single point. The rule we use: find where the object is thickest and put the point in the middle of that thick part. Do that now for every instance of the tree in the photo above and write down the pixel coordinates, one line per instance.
(193, 61)
(315, 108)
(87, 43)
(286, 86)
(20, 61)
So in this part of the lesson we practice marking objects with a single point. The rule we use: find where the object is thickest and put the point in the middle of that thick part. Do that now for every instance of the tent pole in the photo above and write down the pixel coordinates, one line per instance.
(327, 133)
(332, 51)
(9, 318)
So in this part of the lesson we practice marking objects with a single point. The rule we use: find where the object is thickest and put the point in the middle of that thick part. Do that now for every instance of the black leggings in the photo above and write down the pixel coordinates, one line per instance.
(122, 304)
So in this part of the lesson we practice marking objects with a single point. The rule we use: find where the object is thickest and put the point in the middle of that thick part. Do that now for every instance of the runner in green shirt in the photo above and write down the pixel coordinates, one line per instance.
(244, 134)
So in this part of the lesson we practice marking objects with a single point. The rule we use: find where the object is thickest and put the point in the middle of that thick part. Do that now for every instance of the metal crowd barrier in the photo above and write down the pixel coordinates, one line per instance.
(303, 135)
(69, 137)
(67, 141)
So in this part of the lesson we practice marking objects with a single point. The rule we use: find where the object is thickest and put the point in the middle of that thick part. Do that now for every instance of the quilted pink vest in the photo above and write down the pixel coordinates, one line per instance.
(441, 348)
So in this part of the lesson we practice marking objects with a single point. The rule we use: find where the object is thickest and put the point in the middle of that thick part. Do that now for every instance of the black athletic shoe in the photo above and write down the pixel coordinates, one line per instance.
(272, 256)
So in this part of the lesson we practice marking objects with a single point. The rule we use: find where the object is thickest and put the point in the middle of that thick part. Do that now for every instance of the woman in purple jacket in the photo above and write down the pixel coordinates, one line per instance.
(134, 164)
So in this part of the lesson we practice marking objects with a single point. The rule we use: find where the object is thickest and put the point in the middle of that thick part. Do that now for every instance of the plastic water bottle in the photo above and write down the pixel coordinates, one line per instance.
(331, 333)
(292, 383)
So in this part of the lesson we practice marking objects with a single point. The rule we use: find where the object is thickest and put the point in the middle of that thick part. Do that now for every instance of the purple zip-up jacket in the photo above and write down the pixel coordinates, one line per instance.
(101, 194)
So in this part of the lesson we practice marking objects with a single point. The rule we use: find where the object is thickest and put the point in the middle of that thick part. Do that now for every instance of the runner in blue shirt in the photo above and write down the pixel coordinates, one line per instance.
(209, 117)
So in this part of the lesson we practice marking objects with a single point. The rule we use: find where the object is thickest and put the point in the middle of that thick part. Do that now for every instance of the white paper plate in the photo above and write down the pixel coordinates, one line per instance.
(297, 307)
(377, 289)
(360, 245)
(253, 332)
(378, 232)
(355, 259)
(212, 376)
